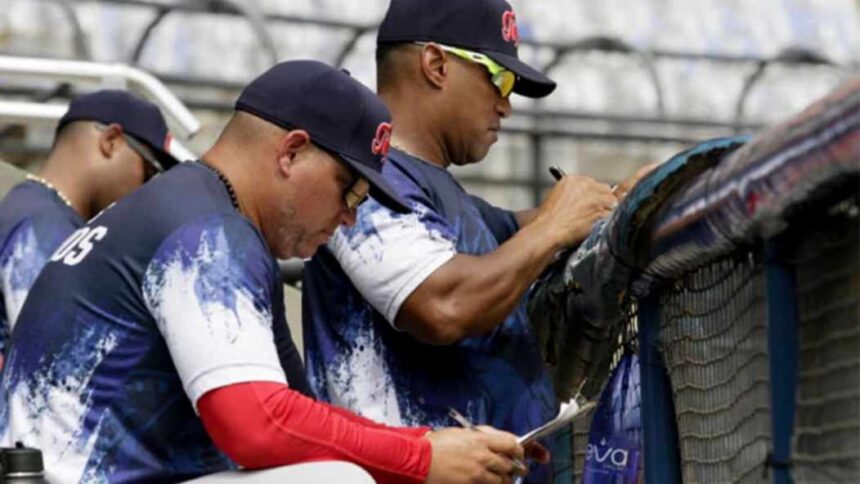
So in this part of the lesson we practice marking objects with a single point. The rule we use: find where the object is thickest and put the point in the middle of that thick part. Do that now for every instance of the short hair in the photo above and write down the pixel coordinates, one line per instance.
(69, 131)
(245, 128)
(388, 63)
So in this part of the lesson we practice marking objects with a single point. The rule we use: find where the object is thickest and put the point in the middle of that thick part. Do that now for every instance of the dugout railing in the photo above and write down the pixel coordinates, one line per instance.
(742, 259)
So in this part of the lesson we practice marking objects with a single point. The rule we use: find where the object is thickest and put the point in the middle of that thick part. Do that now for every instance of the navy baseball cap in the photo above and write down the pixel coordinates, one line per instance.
(140, 119)
(341, 115)
(485, 26)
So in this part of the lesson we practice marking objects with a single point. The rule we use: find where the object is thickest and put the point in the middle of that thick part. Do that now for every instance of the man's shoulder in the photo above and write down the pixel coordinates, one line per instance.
(183, 191)
(411, 175)
(30, 199)
(220, 227)
(25, 192)
(26, 206)
(223, 247)
(181, 198)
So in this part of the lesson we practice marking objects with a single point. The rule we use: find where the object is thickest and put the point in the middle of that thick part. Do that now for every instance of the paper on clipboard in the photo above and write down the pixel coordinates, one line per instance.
(566, 414)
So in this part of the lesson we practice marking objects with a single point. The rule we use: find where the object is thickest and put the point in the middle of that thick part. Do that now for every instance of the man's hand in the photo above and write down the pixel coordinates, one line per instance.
(572, 207)
(473, 456)
(620, 190)
(537, 452)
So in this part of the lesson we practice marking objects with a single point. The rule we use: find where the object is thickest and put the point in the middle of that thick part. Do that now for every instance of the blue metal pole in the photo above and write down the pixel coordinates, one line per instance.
(783, 349)
(659, 429)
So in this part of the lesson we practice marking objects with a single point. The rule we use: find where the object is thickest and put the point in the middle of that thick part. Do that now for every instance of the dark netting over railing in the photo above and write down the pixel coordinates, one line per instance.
(743, 259)
(713, 339)
(826, 444)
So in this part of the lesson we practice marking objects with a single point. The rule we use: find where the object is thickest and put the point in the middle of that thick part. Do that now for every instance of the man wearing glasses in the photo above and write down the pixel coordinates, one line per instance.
(408, 316)
(107, 144)
(154, 346)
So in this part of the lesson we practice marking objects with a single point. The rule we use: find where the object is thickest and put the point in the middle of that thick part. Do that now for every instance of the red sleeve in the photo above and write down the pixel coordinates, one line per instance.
(265, 424)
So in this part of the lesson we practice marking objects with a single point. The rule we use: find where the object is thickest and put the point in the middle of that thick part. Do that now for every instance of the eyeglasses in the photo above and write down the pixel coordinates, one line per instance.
(358, 190)
(141, 149)
(501, 77)
(357, 193)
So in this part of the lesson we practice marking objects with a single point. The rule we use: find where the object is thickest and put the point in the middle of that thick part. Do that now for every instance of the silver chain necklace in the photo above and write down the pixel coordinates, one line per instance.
(51, 187)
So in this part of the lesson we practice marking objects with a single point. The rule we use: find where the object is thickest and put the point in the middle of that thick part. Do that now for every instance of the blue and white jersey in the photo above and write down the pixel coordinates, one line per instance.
(164, 296)
(353, 289)
(34, 221)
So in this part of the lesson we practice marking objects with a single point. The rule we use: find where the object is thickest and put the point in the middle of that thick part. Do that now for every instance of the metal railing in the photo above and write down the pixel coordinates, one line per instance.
(113, 75)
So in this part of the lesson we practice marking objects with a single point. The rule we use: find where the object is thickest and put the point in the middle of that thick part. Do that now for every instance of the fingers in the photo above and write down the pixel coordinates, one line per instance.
(537, 452)
(625, 186)
(501, 465)
(573, 206)
(583, 189)
(602, 204)
(580, 180)
(589, 184)
(602, 188)
(507, 456)
(465, 455)
(608, 202)
(502, 442)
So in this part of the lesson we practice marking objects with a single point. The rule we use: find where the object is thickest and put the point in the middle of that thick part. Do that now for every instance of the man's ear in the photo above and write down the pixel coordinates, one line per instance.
(109, 139)
(291, 146)
(434, 65)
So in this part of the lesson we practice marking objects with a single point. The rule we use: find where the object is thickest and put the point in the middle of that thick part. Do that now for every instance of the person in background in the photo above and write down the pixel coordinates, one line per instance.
(107, 144)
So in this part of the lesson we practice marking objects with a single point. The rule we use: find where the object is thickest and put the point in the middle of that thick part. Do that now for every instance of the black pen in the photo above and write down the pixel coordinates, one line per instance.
(556, 172)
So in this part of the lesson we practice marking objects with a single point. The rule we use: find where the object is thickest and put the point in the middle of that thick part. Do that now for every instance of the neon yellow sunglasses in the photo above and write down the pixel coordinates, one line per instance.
(501, 77)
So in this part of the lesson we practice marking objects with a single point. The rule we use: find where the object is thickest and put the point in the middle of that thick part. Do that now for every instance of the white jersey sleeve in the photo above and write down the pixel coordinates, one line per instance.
(388, 255)
(209, 288)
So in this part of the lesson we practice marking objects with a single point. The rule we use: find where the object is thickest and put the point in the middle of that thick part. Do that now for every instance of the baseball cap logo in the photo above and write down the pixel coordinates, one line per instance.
(510, 32)
(382, 140)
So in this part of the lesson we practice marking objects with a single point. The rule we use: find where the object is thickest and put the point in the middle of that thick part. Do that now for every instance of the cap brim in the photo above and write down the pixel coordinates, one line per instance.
(380, 190)
(167, 160)
(530, 82)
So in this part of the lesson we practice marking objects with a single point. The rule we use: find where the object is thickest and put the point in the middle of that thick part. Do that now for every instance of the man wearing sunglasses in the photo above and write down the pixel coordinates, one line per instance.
(407, 316)
(154, 346)
(107, 144)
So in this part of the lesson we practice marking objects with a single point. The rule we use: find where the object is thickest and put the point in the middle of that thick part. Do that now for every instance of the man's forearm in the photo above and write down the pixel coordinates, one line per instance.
(471, 295)
(265, 424)
(525, 217)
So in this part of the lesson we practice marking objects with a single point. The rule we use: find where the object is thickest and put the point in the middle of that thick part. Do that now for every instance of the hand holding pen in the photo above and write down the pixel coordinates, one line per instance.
(571, 208)
(519, 467)
(619, 189)
(558, 174)
(466, 456)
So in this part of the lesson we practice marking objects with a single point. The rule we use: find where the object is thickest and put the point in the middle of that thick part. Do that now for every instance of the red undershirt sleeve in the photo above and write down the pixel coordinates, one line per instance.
(266, 424)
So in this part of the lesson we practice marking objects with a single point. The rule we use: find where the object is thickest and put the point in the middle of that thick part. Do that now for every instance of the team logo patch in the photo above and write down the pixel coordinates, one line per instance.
(510, 32)
(382, 140)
